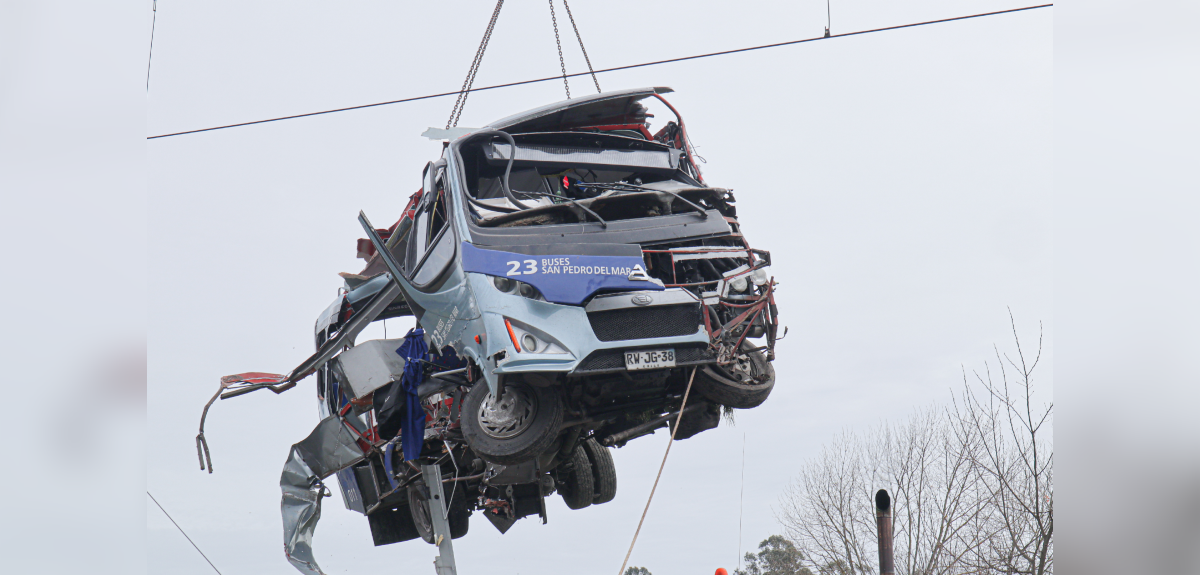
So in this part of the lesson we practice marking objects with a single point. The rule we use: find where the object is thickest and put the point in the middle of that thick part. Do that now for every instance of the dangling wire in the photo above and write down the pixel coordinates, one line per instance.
(741, 498)
(558, 42)
(153, 23)
(581, 48)
(828, 19)
(470, 80)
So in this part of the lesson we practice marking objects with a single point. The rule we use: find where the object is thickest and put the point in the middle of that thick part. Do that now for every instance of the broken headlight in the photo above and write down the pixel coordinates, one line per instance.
(512, 286)
(528, 340)
(740, 278)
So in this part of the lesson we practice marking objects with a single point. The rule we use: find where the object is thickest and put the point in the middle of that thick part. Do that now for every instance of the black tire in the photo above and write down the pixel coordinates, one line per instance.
(743, 384)
(604, 472)
(575, 480)
(459, 516)
(392, 526)
(519, 427)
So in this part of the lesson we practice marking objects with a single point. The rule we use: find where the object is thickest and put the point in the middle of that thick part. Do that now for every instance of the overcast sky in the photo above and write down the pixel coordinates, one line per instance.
(901, 181)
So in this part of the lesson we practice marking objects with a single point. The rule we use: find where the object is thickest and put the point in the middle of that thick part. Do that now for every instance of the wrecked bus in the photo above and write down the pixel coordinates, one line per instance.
(570, 272)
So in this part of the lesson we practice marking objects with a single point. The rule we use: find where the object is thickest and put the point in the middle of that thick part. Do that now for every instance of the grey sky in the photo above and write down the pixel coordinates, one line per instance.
(901, 180)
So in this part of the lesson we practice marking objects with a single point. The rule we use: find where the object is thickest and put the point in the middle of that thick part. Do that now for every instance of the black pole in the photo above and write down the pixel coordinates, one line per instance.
(883, 519)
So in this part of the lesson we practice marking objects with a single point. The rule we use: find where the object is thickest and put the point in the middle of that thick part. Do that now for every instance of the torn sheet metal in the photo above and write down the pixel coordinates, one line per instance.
(370, 365)
(447, 133)
(252, 378)
(240, 384)
(583, 110)
(330, 447)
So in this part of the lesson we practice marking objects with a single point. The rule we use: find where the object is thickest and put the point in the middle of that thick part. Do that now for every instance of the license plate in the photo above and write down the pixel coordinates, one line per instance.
(650, 359)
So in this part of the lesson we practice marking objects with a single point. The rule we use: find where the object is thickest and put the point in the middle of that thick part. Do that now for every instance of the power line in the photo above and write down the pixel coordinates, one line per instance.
(631, 66)
(210, 563)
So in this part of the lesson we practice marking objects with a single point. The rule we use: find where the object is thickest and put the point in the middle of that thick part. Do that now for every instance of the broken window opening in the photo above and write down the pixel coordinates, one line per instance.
(575, 178)
(432, 247)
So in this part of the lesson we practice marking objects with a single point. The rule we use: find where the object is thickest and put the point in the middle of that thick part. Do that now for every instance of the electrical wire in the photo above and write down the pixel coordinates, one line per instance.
(614, 69)
(828, 19)
(210, 563)
(741, 498)
(153, 24)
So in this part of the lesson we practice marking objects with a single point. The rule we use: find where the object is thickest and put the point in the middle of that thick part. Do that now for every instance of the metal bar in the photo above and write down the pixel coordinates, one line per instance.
(648, 426)
(331, 346)
(740, 318)
(467, 478)
(448, 373)
(444, 562)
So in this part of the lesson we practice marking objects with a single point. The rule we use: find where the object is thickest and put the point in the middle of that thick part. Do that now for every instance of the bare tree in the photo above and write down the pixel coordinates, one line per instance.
(937, 503)
(822, 510)
(1015, 456)
(971, 484)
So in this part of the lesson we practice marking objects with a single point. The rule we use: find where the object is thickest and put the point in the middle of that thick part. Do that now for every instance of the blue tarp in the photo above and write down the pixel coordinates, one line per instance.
(412, 425)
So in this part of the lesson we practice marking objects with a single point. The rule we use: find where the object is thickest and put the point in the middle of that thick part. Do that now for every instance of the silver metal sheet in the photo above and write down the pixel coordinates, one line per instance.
(447, 133)
(577, 106)
(328, 316)
(578, 157)
(708, 253)
(301, 509)
(371, 365)
(330, 447)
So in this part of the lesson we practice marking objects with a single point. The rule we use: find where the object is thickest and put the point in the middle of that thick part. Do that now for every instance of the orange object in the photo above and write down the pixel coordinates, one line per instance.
(512, 335)
(721, 571)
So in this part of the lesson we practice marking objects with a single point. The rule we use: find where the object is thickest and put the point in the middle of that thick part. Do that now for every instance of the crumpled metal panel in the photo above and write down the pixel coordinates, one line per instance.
(577, 108)
(370, 365)
(330, 447)
(301, 509)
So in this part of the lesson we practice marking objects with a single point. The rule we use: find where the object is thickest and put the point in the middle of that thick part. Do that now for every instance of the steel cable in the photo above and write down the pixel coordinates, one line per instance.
(660, 470)
(185, 535)
(613, 69)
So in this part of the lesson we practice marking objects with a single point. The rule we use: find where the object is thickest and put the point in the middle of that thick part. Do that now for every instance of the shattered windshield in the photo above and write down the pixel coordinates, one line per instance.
(594, 164)
(566, 178)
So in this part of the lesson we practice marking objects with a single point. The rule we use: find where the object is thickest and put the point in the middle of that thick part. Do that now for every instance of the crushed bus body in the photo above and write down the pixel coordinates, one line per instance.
(570, 272)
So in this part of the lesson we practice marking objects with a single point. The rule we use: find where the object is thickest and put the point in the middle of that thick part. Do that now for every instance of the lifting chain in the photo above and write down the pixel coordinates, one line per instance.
(470, 80)
(581, 48)
(558, 42)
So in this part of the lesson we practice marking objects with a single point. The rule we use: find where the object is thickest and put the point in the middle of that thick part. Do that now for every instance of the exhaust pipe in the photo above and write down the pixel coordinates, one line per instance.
(883, 520)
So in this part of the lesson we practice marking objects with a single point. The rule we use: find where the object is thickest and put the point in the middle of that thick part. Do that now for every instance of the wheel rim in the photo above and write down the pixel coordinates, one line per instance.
(510, 414)
(421, 513)
(741, 370)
